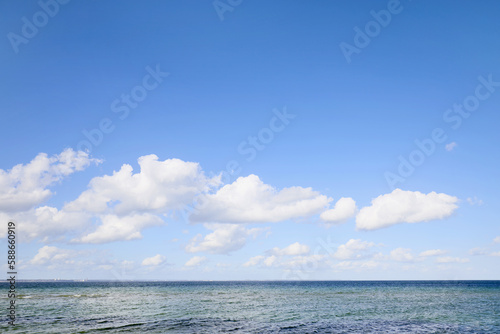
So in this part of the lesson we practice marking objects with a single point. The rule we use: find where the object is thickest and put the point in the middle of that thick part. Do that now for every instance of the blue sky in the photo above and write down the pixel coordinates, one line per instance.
(172, 94)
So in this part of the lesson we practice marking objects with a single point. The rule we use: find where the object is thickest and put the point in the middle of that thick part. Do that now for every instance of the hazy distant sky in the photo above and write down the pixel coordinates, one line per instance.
(251, 139)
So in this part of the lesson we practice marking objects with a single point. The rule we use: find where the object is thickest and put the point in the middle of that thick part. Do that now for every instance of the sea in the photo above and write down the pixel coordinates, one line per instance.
(255, 307)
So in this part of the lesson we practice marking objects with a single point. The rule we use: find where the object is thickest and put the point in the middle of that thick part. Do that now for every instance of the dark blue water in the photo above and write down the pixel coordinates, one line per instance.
(257, 307)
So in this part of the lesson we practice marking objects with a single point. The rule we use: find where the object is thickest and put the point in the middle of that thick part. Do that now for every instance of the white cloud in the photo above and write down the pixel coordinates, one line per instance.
(304, 262)
(497, 240)
(449, 147)
(293, 249)
(478, 251)
(254, 261)
(123, 203)
(115, 228)
(475, 201)
(47, 223)
(357, 265)
(51, 257)
(154, 261)
(293, 256)
(405, 207)
(495, 254)
(402, 255)
(25, 186)
(353, 249)
(226, 238)
(158, 187)
(249, 200)
(50, 254)
(449, 259)
(79, 263)
(119, 206)
(344, 209)
(195, 261)
(270, 260)
(433, 252)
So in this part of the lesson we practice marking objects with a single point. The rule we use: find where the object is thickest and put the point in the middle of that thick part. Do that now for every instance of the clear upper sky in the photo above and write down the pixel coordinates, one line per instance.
(118, 118)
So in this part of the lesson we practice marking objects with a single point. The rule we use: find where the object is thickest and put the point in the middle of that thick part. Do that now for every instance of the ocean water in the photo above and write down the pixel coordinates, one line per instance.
(256, 307)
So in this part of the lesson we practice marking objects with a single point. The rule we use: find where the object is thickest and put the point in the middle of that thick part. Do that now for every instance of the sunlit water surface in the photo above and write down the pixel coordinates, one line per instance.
(256, 307)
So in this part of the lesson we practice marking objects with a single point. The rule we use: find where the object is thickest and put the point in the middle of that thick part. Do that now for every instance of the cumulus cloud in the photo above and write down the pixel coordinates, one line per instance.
(72, 262)
(115, 228)
(484, 251)
(450, 146)
(353, 249)
(358, 265)
(25, 186)
(497, 240)
(50, 254)
(249, 200)
(433, 252)
(154, 261)
(293, 249)
(52, 257)
(195, 261)
(344, 209)
(270, 260)
(305, 262)
(159, 186)
(293, 256)
(47, 223)
(254, 261)
(226, 238)
(402, 255)
(121, 204)
(405, 207)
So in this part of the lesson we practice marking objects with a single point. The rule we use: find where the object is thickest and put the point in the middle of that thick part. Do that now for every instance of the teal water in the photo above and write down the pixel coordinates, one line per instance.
(256, 307)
